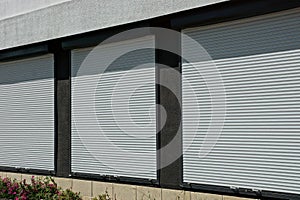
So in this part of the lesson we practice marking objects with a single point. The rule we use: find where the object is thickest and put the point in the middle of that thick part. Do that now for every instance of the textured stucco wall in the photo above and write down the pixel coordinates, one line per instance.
(40, 22)
(11, 8)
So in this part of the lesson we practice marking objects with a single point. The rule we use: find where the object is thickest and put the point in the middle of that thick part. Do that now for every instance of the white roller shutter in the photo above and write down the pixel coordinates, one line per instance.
(259, 62)
(107, 137)
(27, 113)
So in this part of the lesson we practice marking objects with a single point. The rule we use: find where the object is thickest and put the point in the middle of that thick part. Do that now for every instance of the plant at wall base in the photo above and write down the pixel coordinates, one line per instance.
(38, 188)
(103, 197)
(8, 188)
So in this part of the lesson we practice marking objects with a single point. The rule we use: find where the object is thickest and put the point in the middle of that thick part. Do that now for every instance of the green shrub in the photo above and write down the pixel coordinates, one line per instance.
(38, 188)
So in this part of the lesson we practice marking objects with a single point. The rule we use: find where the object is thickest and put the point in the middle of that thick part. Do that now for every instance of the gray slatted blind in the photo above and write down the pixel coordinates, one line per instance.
(107, 137)
(259, 61)
(27, 113)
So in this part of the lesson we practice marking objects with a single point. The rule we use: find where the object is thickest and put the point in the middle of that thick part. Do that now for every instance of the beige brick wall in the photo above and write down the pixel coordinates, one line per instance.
(89, 189)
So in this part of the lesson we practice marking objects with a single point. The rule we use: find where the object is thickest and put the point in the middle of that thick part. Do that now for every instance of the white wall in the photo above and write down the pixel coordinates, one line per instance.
(11, 8)
(24, 22)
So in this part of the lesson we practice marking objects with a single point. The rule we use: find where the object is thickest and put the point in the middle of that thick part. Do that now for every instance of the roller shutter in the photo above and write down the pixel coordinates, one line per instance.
(113, 109)
(27, 113)
(258, 60)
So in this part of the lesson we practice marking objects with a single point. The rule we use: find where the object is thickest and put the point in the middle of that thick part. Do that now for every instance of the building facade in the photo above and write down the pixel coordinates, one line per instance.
(197, 96)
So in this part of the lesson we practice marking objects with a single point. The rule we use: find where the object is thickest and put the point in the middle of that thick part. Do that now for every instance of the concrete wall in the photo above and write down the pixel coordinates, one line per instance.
(33, 21)
(11, 8)
(89, 189)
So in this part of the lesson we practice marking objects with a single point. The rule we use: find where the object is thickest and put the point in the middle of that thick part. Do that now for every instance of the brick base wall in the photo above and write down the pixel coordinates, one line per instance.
(116, 191)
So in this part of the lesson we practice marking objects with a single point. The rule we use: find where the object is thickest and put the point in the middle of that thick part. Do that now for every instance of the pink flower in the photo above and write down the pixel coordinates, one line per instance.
(24, 197)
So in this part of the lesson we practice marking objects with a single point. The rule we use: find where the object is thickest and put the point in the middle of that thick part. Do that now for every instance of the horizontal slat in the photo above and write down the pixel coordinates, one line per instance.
(258, 62)
(27, 113)
(121, 100)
